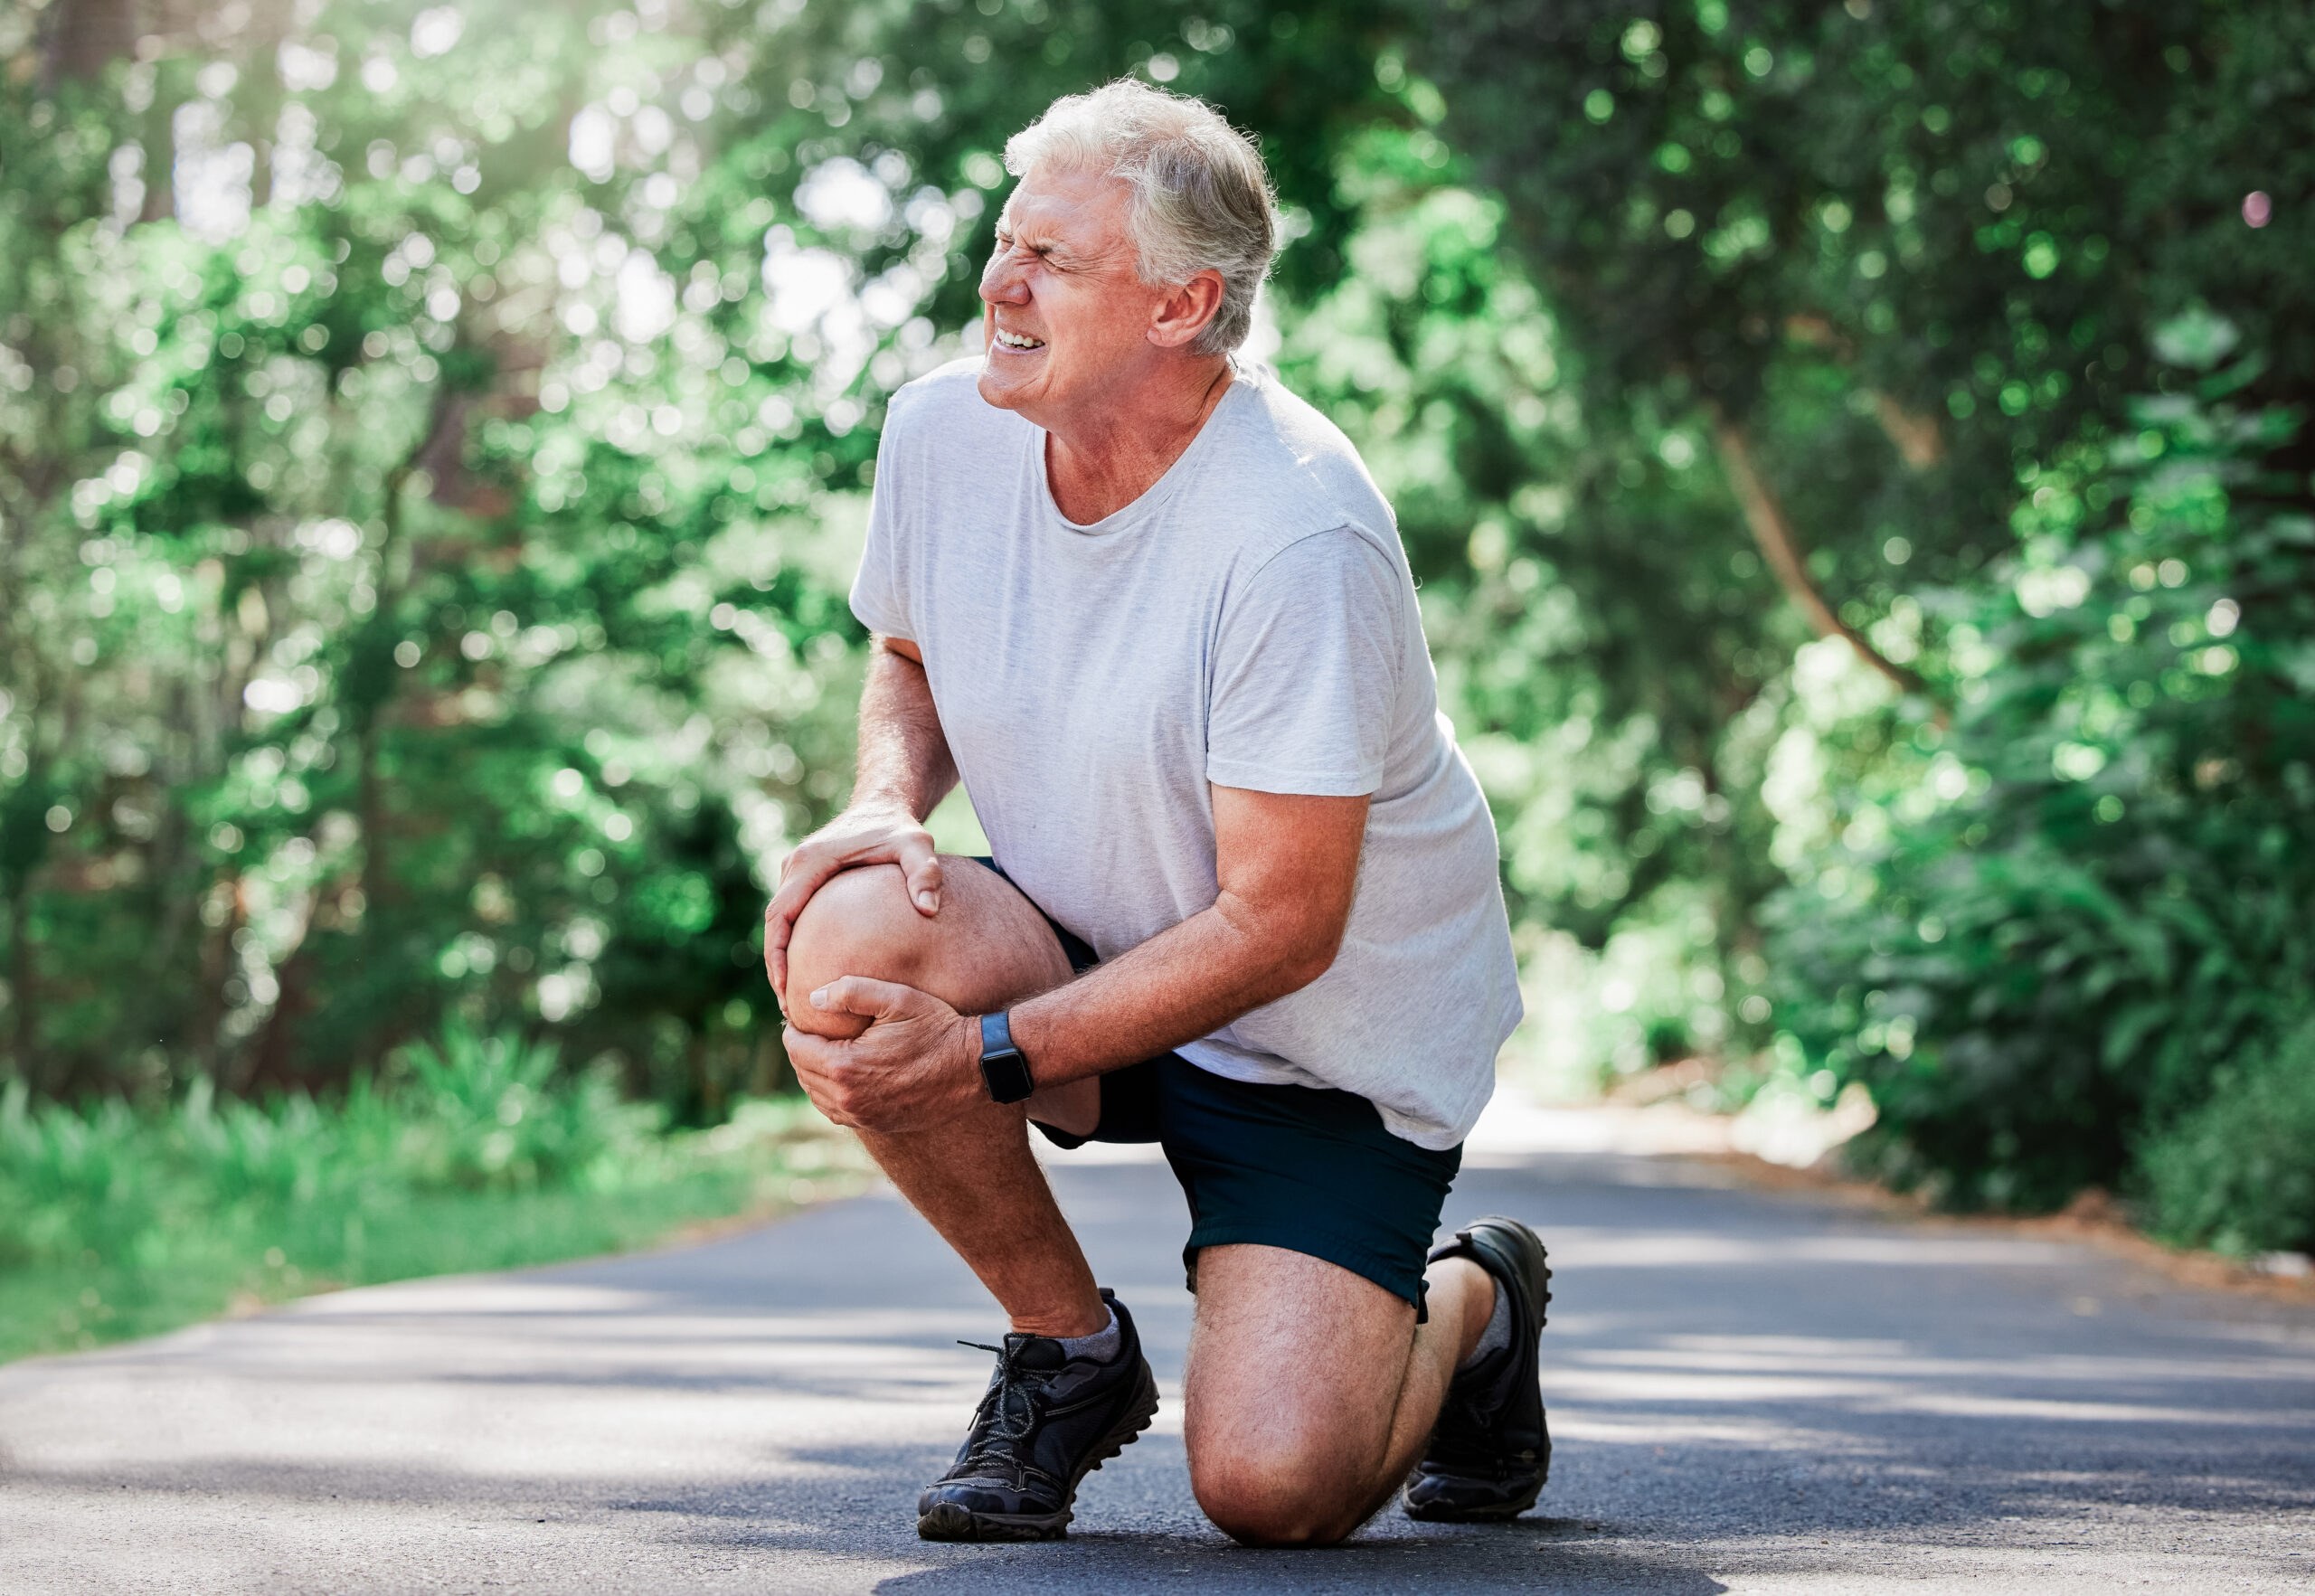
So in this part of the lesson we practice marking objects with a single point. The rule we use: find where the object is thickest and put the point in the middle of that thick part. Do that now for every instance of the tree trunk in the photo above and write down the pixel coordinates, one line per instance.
(217, 967)
(172, 851)
(274, 1063)
(370, 797)
(1773, 533)
(23, 978)
(1921, 443)
(89, 36)
(378, 891)
(160, 141)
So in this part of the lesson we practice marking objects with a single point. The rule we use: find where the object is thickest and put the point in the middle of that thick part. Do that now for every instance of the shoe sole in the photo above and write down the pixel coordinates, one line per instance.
(1486, 1513)
(949, 1521)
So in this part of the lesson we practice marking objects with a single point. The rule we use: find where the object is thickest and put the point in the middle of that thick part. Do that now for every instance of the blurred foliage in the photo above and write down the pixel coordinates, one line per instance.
(2238, 1173)
(384, 643)
(433, 446)
(117, 1221)
(1898, 264)
(2046, 933)
(434, 441)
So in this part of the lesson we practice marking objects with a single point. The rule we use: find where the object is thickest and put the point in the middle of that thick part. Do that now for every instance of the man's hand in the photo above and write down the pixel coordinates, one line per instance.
(915, 1068)
(874, 835)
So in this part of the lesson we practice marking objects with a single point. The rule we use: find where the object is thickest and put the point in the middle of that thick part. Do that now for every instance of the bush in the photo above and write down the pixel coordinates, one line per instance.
(2238, 1173)
(495, 1115)
(2053, 926)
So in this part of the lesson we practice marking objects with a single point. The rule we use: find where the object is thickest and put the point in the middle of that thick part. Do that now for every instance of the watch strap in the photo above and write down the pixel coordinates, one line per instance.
(1002, 1069)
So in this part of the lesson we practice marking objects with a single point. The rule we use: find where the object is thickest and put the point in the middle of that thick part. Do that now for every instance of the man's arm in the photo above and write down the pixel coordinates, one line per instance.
(904, 769)
(1288, 868)
(1288, 865)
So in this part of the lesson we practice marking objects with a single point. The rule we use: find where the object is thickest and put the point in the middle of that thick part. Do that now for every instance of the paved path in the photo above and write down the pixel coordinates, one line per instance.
(1752, 1393)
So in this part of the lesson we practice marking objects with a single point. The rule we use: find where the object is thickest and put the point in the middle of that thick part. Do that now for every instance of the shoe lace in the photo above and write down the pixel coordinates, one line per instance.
(1010, 1412)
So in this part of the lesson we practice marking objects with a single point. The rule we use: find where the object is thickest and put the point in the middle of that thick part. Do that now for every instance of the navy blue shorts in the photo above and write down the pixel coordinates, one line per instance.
(1305, 1168)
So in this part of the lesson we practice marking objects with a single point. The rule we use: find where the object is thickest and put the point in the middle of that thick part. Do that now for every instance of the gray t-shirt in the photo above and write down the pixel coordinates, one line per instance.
(1251, 622)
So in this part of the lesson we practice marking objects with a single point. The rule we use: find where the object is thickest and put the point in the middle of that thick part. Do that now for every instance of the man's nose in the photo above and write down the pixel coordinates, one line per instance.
(1000, 280)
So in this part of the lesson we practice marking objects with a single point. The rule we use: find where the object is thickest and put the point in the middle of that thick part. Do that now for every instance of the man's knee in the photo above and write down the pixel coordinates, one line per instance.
(1289, 1496)
(859, 923)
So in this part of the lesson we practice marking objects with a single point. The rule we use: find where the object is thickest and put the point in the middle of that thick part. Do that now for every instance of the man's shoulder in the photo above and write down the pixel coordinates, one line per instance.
(940, 423)
(945, 397)
(1294, 419)
(1284, 441)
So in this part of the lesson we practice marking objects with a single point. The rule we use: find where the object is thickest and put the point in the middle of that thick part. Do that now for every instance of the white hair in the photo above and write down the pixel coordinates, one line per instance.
(1201, 198)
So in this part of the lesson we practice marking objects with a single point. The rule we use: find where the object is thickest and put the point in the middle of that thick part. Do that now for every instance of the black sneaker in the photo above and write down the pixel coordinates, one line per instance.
(1491, 1453)
(1047, 1421)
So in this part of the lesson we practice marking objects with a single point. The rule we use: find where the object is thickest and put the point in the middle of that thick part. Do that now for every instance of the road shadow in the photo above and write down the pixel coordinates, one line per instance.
(1500, 1557)
(1737, 1381)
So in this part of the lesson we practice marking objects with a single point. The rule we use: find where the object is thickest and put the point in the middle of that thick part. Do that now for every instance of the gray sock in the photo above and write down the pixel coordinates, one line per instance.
(1497, 1333)
(1101, 1346)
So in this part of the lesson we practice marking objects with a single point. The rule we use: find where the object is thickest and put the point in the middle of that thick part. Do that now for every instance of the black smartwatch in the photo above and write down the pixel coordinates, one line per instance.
(1002, 1065)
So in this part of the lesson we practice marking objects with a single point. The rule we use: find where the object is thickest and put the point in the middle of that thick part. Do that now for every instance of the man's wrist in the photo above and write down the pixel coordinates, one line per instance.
(1004, 1067)
(968, 1045)
(884, 805)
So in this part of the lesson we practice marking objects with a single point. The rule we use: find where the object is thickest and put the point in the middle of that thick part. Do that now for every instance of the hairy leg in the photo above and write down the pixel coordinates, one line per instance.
(975, 1180)
(1311, 1391)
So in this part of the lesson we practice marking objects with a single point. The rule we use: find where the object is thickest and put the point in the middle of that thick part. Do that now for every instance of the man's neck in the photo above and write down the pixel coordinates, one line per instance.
(1098, 463)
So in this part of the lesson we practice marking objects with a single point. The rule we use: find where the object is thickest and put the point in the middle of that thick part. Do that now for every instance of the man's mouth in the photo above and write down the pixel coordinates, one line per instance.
(1018, 340)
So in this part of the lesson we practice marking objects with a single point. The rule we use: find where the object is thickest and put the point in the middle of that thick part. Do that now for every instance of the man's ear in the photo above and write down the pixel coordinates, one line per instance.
(1188, 311)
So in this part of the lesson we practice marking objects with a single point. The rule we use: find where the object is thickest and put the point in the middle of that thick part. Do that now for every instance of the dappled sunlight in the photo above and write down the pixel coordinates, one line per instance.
(1706, 1251)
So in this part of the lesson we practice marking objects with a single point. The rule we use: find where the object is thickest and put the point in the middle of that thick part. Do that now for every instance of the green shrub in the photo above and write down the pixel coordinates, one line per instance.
(2238, 1173)
(2053, 924)
(495, 1115)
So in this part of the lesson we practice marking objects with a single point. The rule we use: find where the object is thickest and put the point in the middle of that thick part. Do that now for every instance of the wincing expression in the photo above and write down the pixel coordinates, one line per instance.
(1068, 318)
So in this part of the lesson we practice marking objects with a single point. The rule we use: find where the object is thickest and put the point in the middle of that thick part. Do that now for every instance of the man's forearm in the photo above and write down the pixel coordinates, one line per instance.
(904, 760)
(1288, 866)
(1182, 984)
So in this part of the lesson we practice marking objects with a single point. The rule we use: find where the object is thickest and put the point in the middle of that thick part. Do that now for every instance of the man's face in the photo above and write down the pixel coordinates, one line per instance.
(1068, 315)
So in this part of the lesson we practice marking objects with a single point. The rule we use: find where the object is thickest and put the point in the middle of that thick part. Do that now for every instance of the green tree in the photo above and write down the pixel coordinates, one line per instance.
(2074, 916)
(436, 441)
(1879, 264)
(376, 641)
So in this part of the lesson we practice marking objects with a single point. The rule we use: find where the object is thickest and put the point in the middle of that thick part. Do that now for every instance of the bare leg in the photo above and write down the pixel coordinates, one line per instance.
(974, 1180)
(1311, 1391)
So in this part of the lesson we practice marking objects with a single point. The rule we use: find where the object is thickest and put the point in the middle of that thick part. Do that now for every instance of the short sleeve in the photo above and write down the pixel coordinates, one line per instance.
(1306, 672)
(879, 595)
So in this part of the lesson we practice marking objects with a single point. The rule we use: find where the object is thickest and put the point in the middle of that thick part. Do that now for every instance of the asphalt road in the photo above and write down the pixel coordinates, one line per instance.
(1751, 1392)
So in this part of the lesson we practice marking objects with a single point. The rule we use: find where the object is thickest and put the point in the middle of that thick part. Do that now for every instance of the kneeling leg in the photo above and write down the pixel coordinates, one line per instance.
(975, 1180)
(1311, 1390)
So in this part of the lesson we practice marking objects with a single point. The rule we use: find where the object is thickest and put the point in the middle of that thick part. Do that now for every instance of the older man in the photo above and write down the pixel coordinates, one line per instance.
(1151, 610)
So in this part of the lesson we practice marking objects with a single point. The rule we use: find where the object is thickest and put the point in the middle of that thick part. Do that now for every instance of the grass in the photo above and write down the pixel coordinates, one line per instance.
(116, 1222)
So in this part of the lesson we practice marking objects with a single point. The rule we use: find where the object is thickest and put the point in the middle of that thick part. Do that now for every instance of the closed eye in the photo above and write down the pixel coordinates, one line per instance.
(1007, 241)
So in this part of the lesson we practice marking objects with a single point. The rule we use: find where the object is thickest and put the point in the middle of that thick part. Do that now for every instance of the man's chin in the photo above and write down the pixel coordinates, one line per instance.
(994, 390)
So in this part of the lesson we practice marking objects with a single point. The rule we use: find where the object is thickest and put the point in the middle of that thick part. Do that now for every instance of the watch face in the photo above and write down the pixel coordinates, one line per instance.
(1002, 1067)
(1007, 1076)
